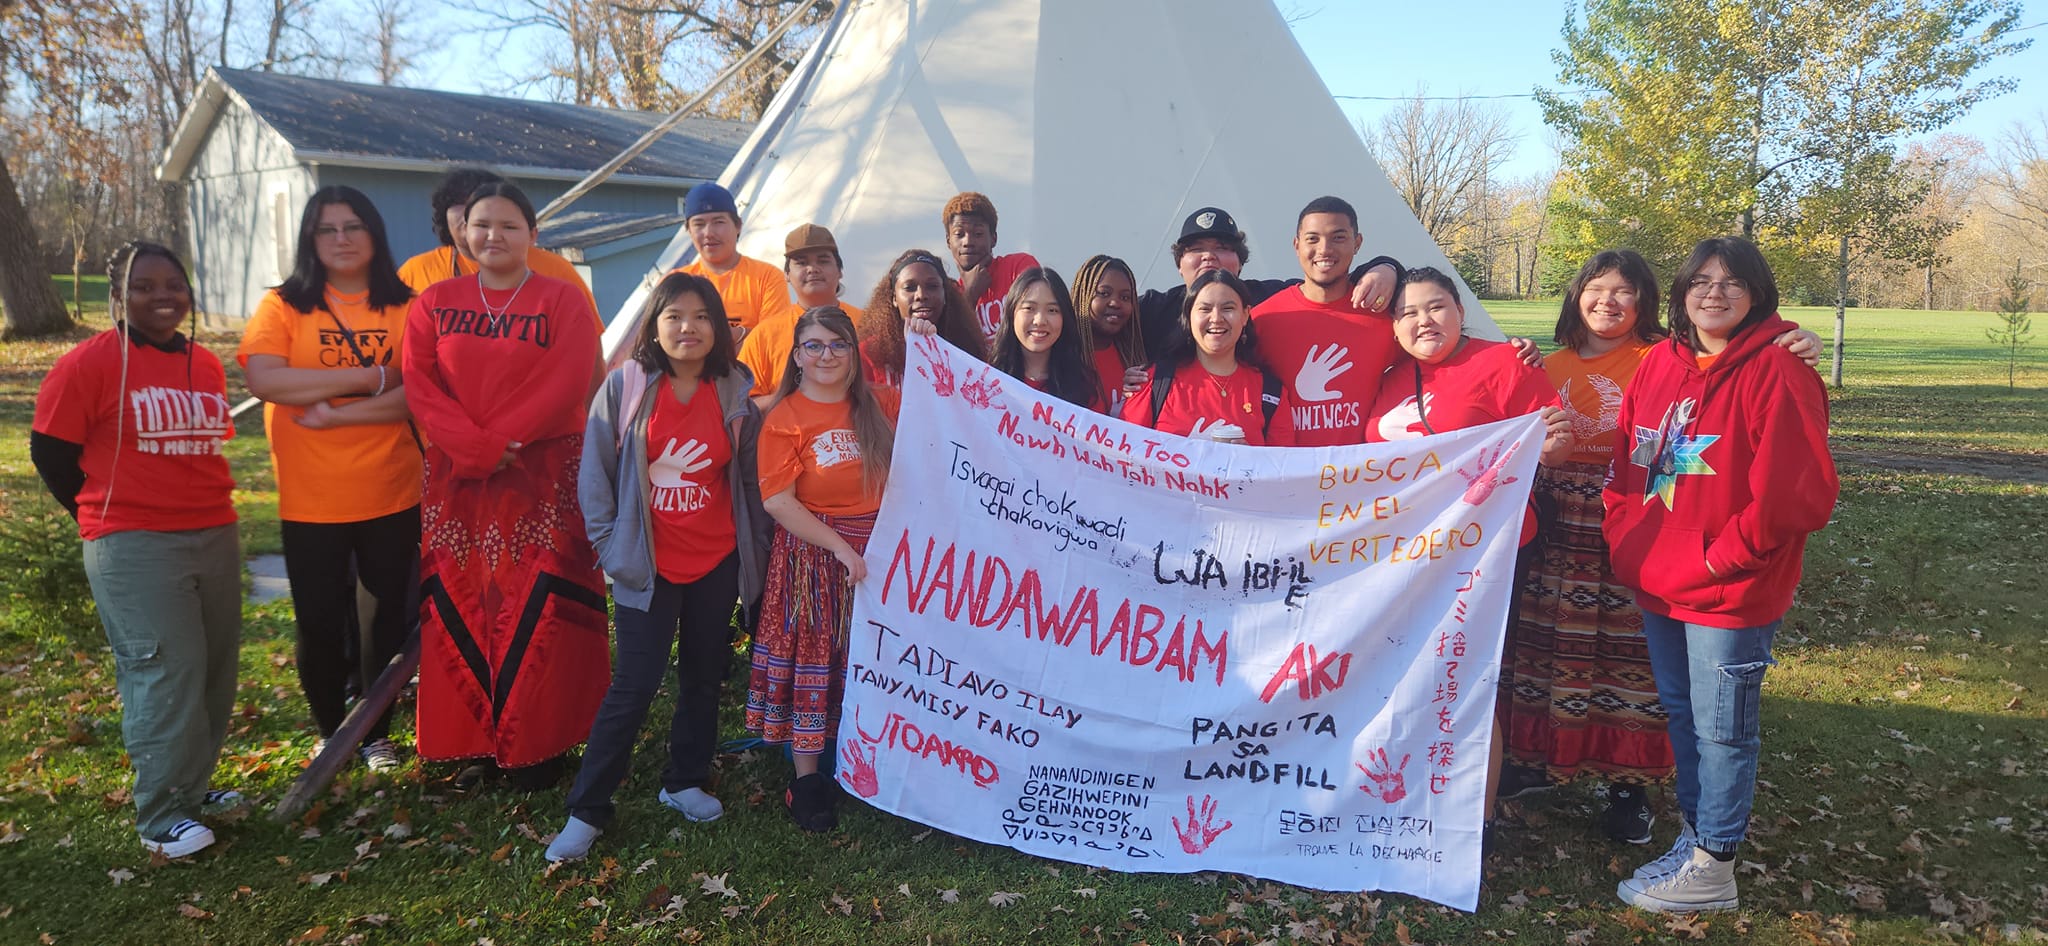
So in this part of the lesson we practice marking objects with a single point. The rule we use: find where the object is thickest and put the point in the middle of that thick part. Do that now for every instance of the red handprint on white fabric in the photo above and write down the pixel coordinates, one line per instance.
(942, 367)
(981, 389)
(1485, 475)
(860, 769)
(1383, 781)
(1199, 833)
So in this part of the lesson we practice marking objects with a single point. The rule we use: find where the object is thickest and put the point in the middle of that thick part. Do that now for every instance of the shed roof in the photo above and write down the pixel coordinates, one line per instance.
(354, 124)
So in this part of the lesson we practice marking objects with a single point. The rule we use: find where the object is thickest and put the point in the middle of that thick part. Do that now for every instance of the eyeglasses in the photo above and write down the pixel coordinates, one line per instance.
(817, 349)
(350, 230)
(1701, 288)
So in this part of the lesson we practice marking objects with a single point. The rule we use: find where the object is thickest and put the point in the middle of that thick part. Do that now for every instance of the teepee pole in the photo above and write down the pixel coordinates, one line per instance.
(675, 118)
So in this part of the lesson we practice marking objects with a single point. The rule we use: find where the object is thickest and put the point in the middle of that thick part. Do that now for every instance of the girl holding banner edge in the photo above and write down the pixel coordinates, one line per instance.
(1207, 382)
(1042, 343)
(671, 500)
(825, 450)
(914, 298)
(1725, 474)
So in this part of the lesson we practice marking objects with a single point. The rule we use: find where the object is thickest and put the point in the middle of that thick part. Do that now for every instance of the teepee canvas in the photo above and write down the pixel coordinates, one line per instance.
(1095, 127)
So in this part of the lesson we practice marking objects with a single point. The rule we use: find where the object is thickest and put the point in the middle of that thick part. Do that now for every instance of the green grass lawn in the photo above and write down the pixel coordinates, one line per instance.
(1904, 794)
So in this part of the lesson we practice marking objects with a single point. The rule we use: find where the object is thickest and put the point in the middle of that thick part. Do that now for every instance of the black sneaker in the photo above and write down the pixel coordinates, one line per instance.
(1628, 817)
(809, 800)
(1519, 780)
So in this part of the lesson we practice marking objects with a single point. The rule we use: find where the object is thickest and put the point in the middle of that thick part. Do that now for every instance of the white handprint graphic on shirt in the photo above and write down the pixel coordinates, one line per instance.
(668, 468)
(1585, 427)
(1312, 382)
(1203, 426)
(1405, 420)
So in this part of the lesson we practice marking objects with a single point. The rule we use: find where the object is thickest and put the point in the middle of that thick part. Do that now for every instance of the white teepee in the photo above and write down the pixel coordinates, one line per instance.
(1095, 126)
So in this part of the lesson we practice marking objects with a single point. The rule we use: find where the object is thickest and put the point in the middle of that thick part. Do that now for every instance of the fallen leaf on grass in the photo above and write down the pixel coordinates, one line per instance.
(1003, 898)
(191, 912)
(716, 885)
(1401, 934)
(843, 905)
(1689, 927)
(1579, 937)
(656, 898)
(949, 896)
(122, 875)
(765, 901)
(10, 832)
(1085, 893)
(1866, 896)
(903, 889)
(733, 910)
(313, 935)
(503, 852)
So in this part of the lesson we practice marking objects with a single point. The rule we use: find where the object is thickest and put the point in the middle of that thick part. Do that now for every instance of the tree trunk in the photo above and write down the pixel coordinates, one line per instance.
(26, 292)
(1927, 294)
(1841, 304)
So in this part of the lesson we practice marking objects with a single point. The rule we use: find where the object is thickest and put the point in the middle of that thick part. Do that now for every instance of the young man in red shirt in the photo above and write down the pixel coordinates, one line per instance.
(985, 278)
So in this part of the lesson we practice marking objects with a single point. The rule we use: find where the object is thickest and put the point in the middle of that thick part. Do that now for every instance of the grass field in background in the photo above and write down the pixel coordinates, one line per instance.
(1903, 794)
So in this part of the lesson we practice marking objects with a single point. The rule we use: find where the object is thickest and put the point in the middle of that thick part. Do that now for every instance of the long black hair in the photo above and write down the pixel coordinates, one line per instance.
(648, 351)
(1571, 322)
(306, 288)
(1744, 262)
(1180, 345)
(1072, 365)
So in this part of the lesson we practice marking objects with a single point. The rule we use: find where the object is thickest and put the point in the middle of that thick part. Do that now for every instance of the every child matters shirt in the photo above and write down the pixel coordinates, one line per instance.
(809, 446)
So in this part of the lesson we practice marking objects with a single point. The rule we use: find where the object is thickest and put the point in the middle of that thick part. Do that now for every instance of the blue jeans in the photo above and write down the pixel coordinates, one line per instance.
(1711, 680)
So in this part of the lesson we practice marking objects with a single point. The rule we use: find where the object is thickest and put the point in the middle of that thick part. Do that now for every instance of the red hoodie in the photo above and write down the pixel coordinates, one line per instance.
(1724, 468)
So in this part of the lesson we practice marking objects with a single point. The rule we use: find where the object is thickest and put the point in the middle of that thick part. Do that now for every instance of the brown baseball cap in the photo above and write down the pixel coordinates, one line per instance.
(809, 236)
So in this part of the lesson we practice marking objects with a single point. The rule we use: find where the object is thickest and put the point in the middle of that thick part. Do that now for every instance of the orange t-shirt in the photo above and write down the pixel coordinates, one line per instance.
(765, 350)
(810, 447)
(443, 262)
(753, 291)
(1589, 390)
(344, 474)
(166, 473)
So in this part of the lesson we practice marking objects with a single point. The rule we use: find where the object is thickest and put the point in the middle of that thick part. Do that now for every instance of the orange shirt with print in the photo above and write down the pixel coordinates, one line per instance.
(753, 291)
(809, 446)
(443, 262)
(765, 350)
(1589, 390)
(343, 474)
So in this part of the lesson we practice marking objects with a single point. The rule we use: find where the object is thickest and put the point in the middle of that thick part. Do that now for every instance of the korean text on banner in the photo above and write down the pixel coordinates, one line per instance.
(1094, 642)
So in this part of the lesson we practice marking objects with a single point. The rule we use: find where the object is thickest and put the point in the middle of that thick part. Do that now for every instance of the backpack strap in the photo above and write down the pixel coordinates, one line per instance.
(635, 390)
(1161, 384)
(1269, 395)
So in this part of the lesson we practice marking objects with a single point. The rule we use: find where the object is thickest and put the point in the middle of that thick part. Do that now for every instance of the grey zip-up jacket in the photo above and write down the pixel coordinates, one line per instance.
(614, 487)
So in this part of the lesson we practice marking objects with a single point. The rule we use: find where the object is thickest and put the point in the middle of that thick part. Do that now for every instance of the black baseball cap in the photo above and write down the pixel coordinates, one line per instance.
(1210, 222)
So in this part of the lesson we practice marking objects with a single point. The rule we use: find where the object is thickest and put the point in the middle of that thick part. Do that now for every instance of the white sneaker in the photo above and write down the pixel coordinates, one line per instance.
(573, 843)
(380, 755)
(1701, 885)
(1671, 860)
(185, 839)
(696, 804)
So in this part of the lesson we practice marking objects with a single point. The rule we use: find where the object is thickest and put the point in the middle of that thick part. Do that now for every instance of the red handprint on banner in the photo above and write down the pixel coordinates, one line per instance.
(1199, 833)
(942, 367)
(1382, 781)
(860, 769)
(1485, 476)
(981, 389)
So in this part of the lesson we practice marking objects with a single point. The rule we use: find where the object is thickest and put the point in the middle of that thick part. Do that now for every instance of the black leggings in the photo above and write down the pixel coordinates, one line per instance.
(324, 561)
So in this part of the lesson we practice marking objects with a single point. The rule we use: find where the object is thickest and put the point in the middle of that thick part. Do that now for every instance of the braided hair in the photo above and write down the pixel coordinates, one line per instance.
(1130, 343)
(121, 263)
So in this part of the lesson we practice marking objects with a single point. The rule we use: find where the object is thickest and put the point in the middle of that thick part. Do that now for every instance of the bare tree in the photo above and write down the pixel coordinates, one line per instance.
(391, 35)
(1440, 156)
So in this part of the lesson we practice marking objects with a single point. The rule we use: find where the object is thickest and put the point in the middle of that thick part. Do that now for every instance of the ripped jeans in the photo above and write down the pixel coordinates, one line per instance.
(1710, 680)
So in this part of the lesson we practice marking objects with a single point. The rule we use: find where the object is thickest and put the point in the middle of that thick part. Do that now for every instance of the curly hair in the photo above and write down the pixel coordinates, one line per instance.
(881, 326)
(969, 204)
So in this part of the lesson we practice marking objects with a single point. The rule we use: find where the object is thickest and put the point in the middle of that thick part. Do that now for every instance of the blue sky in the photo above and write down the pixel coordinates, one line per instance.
(1382, 51)
(1503, 48)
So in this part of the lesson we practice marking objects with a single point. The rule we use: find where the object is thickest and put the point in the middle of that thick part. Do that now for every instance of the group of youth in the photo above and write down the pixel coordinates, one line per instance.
(446, 429)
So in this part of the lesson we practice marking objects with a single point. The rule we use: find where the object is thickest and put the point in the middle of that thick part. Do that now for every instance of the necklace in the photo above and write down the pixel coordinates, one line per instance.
(498, 314)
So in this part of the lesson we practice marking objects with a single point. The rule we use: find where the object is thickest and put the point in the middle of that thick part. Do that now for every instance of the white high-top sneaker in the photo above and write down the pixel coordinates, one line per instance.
(1700, 885)
(1680, 853)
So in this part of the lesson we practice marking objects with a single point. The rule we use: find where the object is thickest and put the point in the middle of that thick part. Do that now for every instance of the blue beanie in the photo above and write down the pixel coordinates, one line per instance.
(709, 198)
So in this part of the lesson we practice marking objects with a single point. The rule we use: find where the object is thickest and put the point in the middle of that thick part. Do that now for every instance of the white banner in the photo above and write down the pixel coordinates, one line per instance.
(1098, 643)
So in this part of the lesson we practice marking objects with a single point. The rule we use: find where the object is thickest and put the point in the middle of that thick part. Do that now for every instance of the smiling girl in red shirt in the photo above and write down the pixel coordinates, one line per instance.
(1106, 297)
(1043, 344)
(915, 289)
(1208, 380)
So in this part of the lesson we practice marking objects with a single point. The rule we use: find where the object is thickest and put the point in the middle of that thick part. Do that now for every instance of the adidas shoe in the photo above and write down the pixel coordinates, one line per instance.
(1703, 884)
(185, 839)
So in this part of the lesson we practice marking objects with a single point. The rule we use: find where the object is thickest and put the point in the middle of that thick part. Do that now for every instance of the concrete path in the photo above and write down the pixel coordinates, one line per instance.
(266, 579)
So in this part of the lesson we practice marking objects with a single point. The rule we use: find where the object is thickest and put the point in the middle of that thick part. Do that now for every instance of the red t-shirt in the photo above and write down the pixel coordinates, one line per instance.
(165, 472)
(1198, 397)
(988, 310)
(1481, 383)
(1329, 357)
(690, 501)
(1109, 365)
(476, 381)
